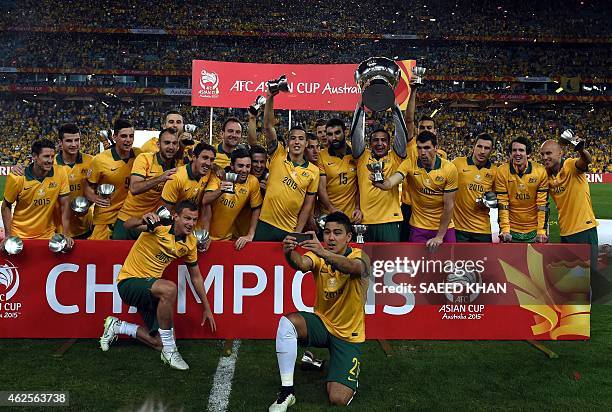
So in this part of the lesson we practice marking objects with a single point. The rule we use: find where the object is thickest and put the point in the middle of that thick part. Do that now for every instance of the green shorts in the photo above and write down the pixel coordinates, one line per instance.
(529, 237)
(344, 357)
(383, 232)
(121, 233)
(588, 237)
(471, 237)
(83, 236)
(137, 292)
(265, 232)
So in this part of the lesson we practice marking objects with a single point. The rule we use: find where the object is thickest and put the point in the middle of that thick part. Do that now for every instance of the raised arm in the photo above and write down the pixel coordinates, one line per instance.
(252, 129)
(401, 134)
(357, 135)
(410, 111)
(269, 123)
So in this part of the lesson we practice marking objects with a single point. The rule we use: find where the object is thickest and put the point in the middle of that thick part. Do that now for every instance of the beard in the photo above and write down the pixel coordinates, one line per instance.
(338, 144)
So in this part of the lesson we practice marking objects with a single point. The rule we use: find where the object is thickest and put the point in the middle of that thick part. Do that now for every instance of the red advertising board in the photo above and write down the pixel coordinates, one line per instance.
(521, 294)
(311, 86)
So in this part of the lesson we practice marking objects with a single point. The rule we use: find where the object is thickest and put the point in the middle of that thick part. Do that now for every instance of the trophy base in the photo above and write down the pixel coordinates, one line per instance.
(252, 110)
(378, 96)
(229, 192)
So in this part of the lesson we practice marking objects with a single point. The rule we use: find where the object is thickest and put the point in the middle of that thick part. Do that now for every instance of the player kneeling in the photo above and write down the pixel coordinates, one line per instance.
(341, 276)
(140, 282)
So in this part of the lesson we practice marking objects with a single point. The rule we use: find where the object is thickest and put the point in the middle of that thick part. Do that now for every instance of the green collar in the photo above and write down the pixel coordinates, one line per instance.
(526, 172)
(332, 151)
(560, 167)
(177, 238)
(348, 251)
(190, 172)
(117, 157)
(304, 165)
(60, 159)
(161, 162)
(221, 151)
(470, 162)
(29, 174)
(437, 164)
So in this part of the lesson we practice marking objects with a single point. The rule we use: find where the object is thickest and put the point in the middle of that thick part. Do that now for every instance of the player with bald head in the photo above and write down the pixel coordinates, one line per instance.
(569, 189)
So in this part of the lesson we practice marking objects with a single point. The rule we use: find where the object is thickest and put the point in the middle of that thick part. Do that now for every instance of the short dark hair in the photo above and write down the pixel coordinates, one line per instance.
(239, 154)
(231, 119)
(296, 127)
(69, 128)
(255, 149)
(320, 122)
(121, 124)
(170, 130)
(425, 118)
(185, 204)
(38, 145)
(311, 136)
(485, 136)
(521, 140)
(335, 122)
(426, 136)
(340, 218)
(169, 112)
(379, 128)
(201, 147)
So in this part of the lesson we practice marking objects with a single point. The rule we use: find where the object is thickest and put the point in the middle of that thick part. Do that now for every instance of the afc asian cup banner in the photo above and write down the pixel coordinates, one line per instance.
(311, 86)
(514, 291)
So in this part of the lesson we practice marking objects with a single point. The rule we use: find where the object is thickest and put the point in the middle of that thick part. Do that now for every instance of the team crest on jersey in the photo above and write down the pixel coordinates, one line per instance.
(439, 179)
(243, 191)
(488, 175)
(52, 185)
(305, 174)
(533, 180)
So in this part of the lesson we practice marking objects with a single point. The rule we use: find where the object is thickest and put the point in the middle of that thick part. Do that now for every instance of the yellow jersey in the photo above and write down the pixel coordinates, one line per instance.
(150, 146)
(522, 198)
(569, 189)
(77, 173)
(427, 188)
(288, 185)
(341, 174)
(378, 206)
(227, 207)
(35, 201)
(473, 182)
(109, 168)
(184, 185)
(147, 166)
(222, 159)
(340, 298)
(154, 251)
(411, 156)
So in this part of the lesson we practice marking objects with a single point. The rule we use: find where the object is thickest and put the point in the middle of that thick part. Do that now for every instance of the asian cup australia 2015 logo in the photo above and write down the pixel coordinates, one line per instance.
(209, 84)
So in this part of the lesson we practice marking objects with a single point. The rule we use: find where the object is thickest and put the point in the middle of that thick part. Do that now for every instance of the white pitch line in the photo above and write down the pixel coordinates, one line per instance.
(222, 383)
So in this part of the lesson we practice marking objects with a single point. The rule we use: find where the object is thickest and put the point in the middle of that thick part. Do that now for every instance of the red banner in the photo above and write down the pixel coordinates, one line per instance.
(512, 291)
(311, 86)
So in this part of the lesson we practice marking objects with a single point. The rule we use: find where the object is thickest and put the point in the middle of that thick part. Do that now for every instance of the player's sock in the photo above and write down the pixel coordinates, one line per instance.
(286, 351)
(126, 328)
(167, 339)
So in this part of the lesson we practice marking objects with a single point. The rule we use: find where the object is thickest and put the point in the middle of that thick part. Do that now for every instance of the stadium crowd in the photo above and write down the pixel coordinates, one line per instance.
(437, 19)
(169, 53)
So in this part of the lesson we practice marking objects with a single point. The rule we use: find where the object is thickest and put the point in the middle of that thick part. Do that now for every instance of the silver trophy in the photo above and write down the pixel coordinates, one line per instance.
(190, 128)
(13, 245)
(232, 178)
(309, 362)
(106, 190)
(106, 138)
(360, 231)
(80, 205)
(278, 85)
(321, 221)
(201, 236)
(377, 170)
(58, 243)
(377, 77)
(568, 137)
(165, 218)
(260, 102)
(417, 75)
(488, 200)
